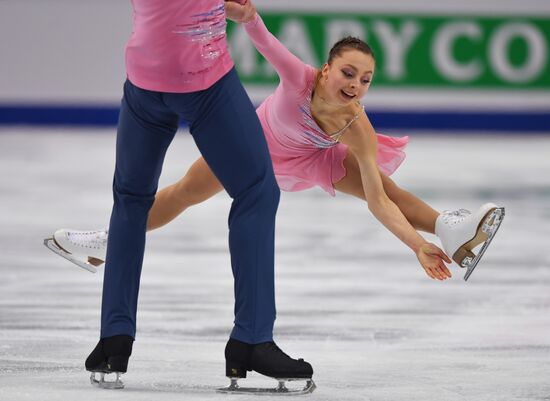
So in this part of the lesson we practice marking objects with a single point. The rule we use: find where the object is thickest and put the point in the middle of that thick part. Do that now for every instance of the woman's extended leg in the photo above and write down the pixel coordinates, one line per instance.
(421, 216)
(198, 185)
(87, 249)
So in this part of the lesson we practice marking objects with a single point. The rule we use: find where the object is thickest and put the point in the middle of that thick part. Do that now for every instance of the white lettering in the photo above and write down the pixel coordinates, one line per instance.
(396, 45)
(499, 48)
(243, 51)
(442, 51)
(294, 36)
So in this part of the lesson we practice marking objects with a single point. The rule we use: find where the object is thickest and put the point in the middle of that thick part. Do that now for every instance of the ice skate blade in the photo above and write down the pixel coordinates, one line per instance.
(101, 383)
(52, 246)
(281, 388)
(485, 233)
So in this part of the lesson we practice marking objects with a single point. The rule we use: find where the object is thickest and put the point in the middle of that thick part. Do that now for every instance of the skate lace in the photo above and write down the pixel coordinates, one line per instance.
(454, 217)
(89, 239)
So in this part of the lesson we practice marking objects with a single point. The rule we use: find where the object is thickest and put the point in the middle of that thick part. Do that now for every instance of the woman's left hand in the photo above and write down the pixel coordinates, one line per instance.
(240, 11)
(432, 259)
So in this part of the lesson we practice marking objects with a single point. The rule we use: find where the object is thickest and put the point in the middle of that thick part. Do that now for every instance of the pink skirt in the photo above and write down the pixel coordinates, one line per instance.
(324, 167)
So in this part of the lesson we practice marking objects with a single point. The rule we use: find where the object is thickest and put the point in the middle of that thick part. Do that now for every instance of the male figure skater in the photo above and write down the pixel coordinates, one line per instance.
(178, 66)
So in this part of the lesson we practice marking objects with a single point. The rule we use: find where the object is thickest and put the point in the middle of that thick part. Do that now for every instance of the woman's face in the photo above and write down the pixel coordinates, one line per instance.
(348, 78)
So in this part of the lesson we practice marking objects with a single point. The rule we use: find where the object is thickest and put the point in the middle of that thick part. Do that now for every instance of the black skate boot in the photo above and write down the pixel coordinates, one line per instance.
(269, 360)
(110, 355)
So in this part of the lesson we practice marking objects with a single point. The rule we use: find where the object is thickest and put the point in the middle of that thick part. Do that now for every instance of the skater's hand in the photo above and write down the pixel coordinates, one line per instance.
(240, 11)
(432, 259)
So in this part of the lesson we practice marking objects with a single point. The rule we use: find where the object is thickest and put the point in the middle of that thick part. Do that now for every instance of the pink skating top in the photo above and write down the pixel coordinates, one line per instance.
(177, 45)
(303, 154)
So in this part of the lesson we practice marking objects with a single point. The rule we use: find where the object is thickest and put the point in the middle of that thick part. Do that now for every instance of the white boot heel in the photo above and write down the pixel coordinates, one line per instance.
(461, 232)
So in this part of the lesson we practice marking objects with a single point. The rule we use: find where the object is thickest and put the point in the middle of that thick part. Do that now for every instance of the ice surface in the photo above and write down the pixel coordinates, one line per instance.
(351, 298)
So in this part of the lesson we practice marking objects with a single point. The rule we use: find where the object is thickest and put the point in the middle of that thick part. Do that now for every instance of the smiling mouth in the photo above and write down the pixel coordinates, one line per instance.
(347, 95)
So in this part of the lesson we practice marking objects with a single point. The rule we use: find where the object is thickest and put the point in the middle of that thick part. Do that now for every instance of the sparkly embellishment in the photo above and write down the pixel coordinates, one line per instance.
(336, 136)
(207, 28)
(313, 134)
(452, 218)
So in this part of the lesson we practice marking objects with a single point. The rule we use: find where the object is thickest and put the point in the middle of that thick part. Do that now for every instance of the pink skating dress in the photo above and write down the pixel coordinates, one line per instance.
(303, 154)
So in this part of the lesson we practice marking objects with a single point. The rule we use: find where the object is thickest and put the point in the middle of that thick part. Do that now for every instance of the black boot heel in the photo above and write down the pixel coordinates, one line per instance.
(117, 364)
(235, 370)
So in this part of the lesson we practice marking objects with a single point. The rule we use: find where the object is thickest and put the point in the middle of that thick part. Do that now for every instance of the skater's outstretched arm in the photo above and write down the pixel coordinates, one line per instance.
(291, 70)
(362, 143)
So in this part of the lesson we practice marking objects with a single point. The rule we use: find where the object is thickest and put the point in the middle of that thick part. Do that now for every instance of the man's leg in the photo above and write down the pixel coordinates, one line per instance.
(145, 131)
(227, 131)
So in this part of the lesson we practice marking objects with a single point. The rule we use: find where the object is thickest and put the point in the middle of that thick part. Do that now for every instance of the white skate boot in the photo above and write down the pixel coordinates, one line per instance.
(461, 231)
(86, 249)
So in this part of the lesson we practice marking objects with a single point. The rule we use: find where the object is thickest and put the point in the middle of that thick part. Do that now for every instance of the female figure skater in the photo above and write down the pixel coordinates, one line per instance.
(318, 134)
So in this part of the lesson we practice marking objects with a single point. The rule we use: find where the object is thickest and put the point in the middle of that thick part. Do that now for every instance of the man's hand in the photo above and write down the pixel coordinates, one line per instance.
(432, 260)
(240, 11)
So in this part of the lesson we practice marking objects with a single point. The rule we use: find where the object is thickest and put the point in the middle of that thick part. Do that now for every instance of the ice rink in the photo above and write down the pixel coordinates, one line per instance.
(351, 298)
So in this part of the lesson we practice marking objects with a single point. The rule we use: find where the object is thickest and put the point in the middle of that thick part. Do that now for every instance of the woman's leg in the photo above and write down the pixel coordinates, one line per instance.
(421, 216)
(198, 185)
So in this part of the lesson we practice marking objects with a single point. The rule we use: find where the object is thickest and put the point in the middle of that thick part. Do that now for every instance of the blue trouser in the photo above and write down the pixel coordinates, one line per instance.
(226, 129)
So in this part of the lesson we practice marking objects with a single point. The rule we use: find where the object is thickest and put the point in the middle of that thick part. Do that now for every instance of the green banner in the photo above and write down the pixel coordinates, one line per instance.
(414, 51)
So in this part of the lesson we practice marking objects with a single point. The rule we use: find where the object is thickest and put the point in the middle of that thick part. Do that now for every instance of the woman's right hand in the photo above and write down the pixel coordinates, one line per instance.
(433, 259)
(240, 11)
